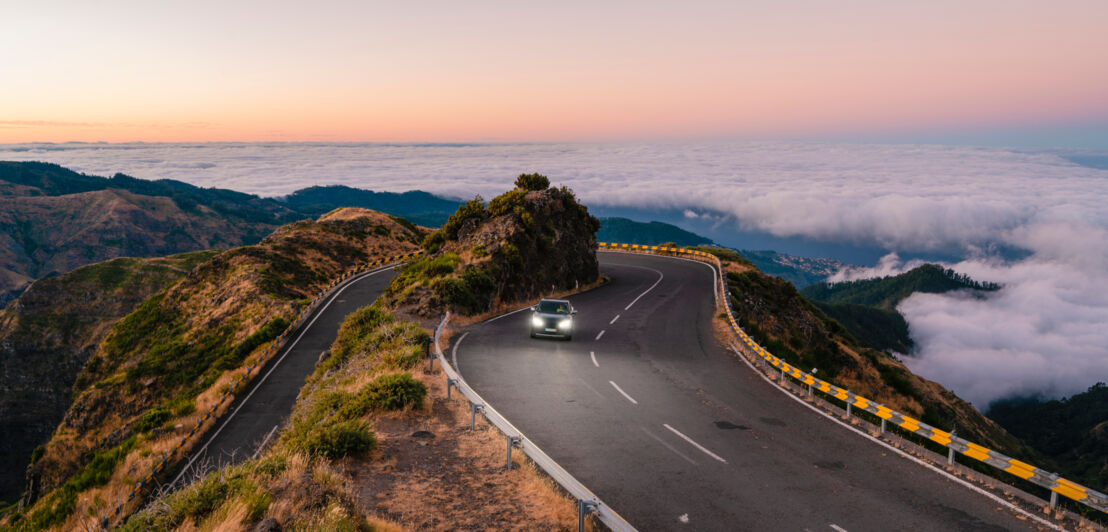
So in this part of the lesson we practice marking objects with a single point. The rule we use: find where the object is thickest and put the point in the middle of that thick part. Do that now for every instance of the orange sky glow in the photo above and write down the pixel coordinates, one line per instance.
(460, 71)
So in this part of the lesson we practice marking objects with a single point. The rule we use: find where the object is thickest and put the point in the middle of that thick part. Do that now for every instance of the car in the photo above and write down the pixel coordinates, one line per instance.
(552, 317)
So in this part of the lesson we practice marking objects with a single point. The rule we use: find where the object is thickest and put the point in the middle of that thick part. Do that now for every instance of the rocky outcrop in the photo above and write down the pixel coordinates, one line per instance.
(528, 242)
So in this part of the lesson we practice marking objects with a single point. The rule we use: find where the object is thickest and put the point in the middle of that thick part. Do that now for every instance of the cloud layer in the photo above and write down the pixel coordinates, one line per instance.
(1045, 332)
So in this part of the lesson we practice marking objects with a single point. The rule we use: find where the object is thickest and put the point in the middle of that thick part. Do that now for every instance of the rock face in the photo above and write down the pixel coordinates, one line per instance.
(47, 335)
(525, 244)
(170, 353)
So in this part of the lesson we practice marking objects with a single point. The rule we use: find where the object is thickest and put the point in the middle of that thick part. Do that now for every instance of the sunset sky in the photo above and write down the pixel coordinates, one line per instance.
(967, 72)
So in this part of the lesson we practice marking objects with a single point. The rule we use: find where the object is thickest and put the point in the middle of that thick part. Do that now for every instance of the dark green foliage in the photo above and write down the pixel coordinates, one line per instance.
(417, 206)
(152, 419)
(424, 270)
(1073, 432)
(391, 392)
(471, 293)
(532, 182)
(622, 230)
(346, 438)
(887, 292)
(433, 241)
(508, 202)
(472, 209)
(875, 328)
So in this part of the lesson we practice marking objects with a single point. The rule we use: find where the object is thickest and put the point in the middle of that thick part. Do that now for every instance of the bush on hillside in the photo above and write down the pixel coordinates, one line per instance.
(532, 182)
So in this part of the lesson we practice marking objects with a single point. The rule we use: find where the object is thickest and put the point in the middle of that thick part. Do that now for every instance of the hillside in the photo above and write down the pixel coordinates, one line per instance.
(775, 314)
(1073, 431)
(415, 206)
(53, 220)
(47, 335)
(867, 308)
(174, 355)
(530, 241)
(627, 231)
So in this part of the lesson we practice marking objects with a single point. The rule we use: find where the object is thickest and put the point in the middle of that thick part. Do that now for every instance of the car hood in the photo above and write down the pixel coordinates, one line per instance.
(551, 316)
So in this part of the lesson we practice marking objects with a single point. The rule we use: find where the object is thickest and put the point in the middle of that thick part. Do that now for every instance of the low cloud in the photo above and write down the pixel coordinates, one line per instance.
(1043, 333)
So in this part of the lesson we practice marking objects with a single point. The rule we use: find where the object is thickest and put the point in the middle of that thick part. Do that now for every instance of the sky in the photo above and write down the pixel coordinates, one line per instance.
(990, 72)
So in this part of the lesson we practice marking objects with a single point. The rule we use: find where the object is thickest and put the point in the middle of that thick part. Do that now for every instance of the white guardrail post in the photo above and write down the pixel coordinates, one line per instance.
(587, 502)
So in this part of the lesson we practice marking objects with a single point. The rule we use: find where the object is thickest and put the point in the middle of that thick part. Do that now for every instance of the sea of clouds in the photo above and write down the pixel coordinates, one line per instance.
(1045, 332)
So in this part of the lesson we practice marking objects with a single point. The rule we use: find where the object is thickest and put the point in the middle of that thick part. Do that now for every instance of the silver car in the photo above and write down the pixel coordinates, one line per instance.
(552, 317)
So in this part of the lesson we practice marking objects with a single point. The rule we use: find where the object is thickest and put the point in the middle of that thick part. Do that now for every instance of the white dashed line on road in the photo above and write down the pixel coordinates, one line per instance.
(601, 333)
(614, 319)
(837, 528)
(620, 390)
(668, 446)
(594, 362)
(690, 440)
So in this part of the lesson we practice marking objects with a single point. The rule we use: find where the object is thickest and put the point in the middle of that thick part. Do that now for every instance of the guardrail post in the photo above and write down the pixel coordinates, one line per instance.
(950, 456)
(450, 383)
(512, 442)
(883, 421)
(584, 508)
(473, 415)
(849, 408)
(1053, 499)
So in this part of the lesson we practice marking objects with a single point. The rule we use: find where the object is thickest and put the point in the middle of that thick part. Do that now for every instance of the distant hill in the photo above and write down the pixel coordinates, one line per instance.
(887, 292)
(628, 231)
(867, 308)
(800, 271)
(1073, 431)
(53, 219)
(416, 206)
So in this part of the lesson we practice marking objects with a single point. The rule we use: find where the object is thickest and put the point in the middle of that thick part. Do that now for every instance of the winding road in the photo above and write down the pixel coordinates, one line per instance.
(268, 400)
(648, 410)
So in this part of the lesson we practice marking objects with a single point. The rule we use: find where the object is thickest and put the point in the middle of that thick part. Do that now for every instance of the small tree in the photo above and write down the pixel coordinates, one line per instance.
(532, 182)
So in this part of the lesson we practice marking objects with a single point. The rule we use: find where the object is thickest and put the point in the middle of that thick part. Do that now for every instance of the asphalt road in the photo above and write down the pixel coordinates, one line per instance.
(647, 409)
(268, 400)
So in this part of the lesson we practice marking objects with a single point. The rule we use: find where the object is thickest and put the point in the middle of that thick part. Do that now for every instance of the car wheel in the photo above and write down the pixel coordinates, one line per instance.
(532, 334)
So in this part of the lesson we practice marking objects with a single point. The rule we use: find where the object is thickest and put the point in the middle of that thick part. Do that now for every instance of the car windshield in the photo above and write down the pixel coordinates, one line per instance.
(553, 307)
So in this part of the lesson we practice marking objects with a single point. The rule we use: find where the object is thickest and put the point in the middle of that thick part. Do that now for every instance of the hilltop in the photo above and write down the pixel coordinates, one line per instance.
(531, 241)
(53, 220)
(174, 354)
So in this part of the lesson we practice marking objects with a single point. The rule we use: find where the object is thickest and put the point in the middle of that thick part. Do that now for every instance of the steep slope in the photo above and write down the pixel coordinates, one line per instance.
(774, 313)
(177, 351)
(1071, 431)
(48, 334)
(530, 241)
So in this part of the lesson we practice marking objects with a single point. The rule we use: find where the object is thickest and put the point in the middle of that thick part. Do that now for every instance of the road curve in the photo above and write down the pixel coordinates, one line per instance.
(654, 416)
(268, 400)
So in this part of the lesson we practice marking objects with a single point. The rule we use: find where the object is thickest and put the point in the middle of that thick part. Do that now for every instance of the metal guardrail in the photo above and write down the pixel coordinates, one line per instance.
(954, 444)
(587, 501)
(275, 346)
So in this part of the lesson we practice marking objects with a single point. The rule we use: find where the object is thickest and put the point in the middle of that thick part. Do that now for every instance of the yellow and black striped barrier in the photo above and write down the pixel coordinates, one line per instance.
(1025, 471)
(237, 382)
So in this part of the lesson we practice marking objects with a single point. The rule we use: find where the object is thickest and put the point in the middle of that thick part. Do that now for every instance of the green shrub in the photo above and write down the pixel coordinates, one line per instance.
(480, 251)
(152, 419)
(532, 182)
(433, 241)
(474, 208)
(346, 438)
(393, 392)
(510, 201)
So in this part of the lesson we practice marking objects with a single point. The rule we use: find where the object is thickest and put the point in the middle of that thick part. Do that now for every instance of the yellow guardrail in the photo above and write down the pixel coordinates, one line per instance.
(955, 444)
(275, 346)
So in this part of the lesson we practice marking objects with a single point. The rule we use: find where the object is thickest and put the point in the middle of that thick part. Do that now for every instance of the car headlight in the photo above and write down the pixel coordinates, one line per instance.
(565, 324)
(536, 321)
